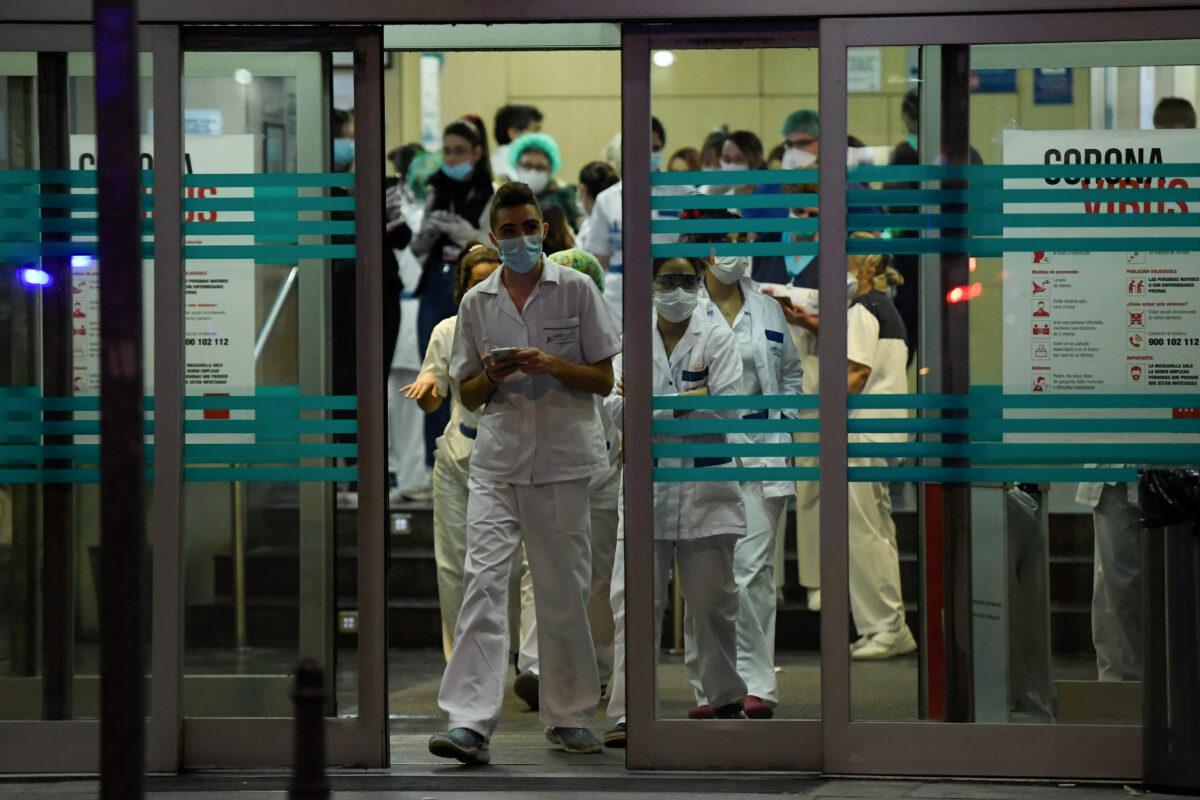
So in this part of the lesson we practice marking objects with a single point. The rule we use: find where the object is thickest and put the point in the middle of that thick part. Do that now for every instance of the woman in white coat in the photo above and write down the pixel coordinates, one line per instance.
(453, 453)
(696, 524)
(770, 366)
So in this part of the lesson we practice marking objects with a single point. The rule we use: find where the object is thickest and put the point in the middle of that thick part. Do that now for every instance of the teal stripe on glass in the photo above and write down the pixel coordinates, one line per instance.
(269, 204)
(81, 178)
(338, 402)
(269, 452)
(996, 197)
(736, 249)
(33, 250)
(735, 449)
(269, 474)
(743, 177)
(84, 202)
(991, 474)
(735, 401)
(718, 474)
(268, 252)
(684, 427)
(996, 222)
(991, 396)
(270, 179)
(1020, 453)
(81, 403)
(871, 173)
(784, 225)
(36, 476)
(80, 226)
(1000, 245)
(735, 201)
(29, 453)
(260, 227)
(271, 428)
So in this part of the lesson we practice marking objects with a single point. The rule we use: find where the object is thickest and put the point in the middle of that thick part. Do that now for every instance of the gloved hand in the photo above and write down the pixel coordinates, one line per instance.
(457, 229)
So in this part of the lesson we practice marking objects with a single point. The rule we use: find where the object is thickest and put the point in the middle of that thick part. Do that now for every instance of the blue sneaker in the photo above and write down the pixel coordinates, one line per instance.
(463, 744)
(575, 740)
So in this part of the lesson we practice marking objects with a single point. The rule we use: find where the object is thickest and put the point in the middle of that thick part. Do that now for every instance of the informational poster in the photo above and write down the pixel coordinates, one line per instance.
(1096, 322)
(864, 69)
(219, 299)
(1053, 87)
(993, 81)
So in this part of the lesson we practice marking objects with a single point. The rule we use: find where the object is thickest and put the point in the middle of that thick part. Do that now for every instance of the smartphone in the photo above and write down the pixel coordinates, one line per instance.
(503, 353)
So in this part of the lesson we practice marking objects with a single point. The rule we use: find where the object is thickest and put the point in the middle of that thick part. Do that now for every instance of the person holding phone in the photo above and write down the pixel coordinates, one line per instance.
(533, 348)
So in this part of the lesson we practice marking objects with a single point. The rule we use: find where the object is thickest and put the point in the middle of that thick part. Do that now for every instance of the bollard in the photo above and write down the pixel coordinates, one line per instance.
(308, 696)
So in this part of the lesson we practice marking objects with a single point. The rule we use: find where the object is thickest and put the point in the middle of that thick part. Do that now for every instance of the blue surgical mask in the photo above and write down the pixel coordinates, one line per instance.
(459, 171)
(343, 152)
(656, 161)
(911, 138)
(521, 254)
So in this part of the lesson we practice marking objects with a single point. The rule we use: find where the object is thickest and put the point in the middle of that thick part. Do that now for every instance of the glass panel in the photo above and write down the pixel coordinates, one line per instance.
(49, 396)
(268, 434)
(734, 221)
(1055, 358)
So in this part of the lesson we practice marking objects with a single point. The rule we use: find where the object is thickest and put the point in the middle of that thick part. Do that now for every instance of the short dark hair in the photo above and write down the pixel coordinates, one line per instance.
(698, 265)
(749, 143)
(514, 116)
(513, 194)
(598, 176)
(403, 156)
(1174, 112)
(713, 237)
(911, 105)
(657, 127)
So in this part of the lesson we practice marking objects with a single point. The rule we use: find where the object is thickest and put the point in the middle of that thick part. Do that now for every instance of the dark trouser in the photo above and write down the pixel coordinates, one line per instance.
(437, 303)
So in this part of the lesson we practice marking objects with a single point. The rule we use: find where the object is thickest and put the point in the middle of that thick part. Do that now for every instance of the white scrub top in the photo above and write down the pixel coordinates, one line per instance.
(534, 429)
(875, 338)
(461, 430)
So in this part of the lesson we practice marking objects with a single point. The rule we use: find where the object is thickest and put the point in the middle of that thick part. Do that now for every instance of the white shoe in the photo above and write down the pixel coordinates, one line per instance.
(886, 645)
(814, 600)
(862, 640)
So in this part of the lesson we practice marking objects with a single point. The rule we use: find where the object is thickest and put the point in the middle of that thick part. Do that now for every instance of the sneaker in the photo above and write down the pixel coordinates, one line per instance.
(615, 737)
(574, 740)
(463, 744)
(526, 688)
(858, 643)
(702, 712)
(730, 711)
(756, 708)
(886, 645)
(814, 600)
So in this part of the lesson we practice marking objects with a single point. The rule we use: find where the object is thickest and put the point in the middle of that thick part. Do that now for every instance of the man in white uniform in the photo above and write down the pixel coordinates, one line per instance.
(534, 342)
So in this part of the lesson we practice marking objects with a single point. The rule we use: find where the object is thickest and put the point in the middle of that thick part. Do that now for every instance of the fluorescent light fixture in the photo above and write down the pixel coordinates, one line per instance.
(82, 262)
(243, 76)
(34, 277)
(663, 58)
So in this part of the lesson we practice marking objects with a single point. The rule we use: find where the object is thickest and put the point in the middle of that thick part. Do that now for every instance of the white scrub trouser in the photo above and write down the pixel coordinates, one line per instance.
(710, 591)
(554, 520)
(406, 433)
(753, 570)
(1117, 590)
(875, 599)
(603, 500)
(449, 539)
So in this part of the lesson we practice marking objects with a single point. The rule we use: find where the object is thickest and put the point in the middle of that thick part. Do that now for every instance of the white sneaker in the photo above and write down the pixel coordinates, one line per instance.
(862, 640)
(886, 645)
(814, 600)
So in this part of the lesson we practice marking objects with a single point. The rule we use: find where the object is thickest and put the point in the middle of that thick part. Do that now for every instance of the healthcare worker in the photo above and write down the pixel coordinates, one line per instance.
(770, 366)
(696, 524)
(536, 160)
(1117, 584)
(876, 356)
(603, 492)
(533, 347)
(453, 454)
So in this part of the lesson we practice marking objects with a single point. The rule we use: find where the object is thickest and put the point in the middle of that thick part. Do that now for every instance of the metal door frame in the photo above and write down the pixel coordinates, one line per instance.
(930, 748)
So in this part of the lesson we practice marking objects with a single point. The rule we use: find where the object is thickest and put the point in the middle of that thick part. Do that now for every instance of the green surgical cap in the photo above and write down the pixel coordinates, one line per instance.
(536, 141)
(581, 261)
(802, 121)
(422, 168)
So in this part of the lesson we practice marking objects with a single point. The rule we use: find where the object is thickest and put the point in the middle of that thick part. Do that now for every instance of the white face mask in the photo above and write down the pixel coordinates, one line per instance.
(795, 158)
(537, 180)
(729, 166)
(675, 305)
(730, 269)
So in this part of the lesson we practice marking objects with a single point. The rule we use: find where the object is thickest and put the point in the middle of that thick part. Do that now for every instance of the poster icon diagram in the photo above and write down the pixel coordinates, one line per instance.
(1040, 308)
(1041, 329)
(1137, 319)
(1136, 286)
(1041, 257)
(1135, 373)
(1041, 287)
(1135, 341)
(1041, 383)
(1041, 352)
(1135, 258)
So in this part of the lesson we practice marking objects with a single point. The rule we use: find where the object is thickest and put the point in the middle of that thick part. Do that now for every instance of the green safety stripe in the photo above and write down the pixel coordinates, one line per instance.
(36, 476)
(704, 250)
(744, 177)
(989, 427)
(272, 402)
(273, 253)
(1000, 245)
(987, 453)
(997, 221)
(263, 227)
(899, 474)
(734, 401)
(270, 427)
(269, 204)
(735, 449)
(997, 197)
(735, 201)
(871, 173)
(270, 179)
(269, 474)
(268, 453)
(685, 427)
(991, 397)
(756, 225)
(718, 474)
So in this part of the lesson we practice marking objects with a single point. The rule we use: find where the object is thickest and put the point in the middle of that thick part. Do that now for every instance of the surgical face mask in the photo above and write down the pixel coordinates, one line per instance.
(729, 166)
(911, 138)
(521, 254)
(795, 158)
(730, 269)
(343, 152)
(537, 180)
(459, 171)
(675, 305)
(656, 159)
